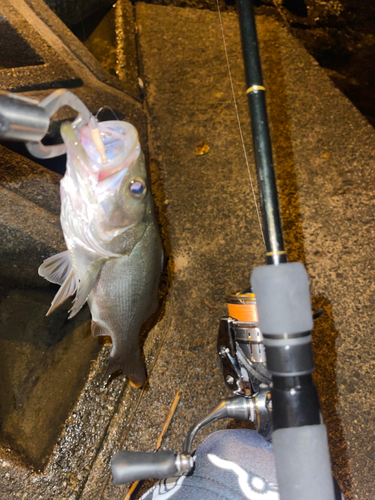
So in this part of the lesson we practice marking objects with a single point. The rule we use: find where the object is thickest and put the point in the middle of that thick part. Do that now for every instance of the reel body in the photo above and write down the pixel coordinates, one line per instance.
(243, 358)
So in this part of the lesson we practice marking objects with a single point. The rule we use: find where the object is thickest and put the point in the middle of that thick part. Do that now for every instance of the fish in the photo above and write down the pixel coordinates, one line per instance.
(114, 255)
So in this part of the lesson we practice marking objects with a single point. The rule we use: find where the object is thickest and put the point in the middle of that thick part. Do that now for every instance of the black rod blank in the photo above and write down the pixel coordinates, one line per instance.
(287, 412)
(261, 136)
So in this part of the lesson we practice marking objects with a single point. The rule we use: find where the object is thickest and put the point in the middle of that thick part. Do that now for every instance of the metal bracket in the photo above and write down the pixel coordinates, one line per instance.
(51, 104)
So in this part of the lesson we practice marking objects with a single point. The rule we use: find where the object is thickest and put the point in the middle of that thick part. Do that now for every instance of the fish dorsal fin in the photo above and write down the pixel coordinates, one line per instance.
(67, 289)
(56, 268)
(85, 286)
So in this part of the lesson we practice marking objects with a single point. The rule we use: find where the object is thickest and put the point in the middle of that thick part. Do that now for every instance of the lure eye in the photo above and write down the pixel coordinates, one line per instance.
(137, 188)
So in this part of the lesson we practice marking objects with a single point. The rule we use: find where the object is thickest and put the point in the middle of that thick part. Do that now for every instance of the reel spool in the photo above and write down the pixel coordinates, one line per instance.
(243, 308)
(240, 346)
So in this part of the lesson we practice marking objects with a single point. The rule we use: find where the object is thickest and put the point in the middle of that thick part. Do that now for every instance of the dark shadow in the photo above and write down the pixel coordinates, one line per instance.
(15, 51)
(276, 98)
(41, 377)
(54, 164)
(296, 7)
(44, 361)
(84, 28)
(166, 279)
(324, 346)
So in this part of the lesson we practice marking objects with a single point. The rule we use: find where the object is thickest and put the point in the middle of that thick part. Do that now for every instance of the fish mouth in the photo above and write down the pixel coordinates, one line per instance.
(120, 147)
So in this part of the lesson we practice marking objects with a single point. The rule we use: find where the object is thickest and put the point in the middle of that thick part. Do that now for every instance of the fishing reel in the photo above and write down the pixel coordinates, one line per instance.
(242, 357)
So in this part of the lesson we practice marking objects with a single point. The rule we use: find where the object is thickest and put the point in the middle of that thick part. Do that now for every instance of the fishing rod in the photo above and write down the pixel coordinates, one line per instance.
(272, 230)
(283, 301)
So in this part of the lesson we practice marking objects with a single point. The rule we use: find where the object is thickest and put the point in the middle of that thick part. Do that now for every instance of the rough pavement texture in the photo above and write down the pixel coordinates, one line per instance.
(42, 370)
(323, 154)
(30, 60)
(25, 56)
(59, 57)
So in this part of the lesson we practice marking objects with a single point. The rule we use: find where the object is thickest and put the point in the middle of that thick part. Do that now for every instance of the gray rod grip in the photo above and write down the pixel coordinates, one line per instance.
(129, 466)
(283, 298)
(303, 466)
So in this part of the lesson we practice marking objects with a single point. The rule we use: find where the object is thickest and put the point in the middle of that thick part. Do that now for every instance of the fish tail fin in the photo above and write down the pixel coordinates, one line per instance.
(131, 367)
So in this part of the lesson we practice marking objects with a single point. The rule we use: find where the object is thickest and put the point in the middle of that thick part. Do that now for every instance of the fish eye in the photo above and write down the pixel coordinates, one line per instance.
(137, 188)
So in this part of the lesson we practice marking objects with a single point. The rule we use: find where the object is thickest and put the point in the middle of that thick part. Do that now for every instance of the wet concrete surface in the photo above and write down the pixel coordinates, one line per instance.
(339, 34)
(22, 38)
(324, 155)
(113, 43)
(45, 362)
(42, 371)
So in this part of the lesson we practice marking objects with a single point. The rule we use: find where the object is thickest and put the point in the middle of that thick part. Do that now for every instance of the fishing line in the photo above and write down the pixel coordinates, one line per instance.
(104, 108)
(239, 121)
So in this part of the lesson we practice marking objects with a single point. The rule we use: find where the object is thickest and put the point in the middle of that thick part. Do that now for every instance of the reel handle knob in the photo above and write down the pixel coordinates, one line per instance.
(130, 466)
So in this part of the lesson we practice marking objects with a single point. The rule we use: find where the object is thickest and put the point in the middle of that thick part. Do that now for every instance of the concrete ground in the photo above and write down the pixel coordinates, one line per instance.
(324, 159)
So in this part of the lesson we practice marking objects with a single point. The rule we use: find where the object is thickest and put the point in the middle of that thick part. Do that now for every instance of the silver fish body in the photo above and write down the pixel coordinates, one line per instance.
(122, 299)
(114, 255)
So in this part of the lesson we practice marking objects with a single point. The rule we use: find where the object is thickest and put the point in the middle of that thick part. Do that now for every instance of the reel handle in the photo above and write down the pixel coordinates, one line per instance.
(130, 466)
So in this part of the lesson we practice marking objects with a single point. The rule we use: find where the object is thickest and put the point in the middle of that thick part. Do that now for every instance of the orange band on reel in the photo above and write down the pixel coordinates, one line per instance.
(243, 307)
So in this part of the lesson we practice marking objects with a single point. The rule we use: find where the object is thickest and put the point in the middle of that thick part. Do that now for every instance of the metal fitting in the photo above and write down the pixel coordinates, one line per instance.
(184, 463)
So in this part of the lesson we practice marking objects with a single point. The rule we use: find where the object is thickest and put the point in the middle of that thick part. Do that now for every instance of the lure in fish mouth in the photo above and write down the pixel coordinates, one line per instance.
(114, 255)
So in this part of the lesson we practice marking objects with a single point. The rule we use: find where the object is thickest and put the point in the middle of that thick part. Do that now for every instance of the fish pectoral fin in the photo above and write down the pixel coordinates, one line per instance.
(98, 330)
(131, 366)
(85, 286)
(57, 268)
(67, 289)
